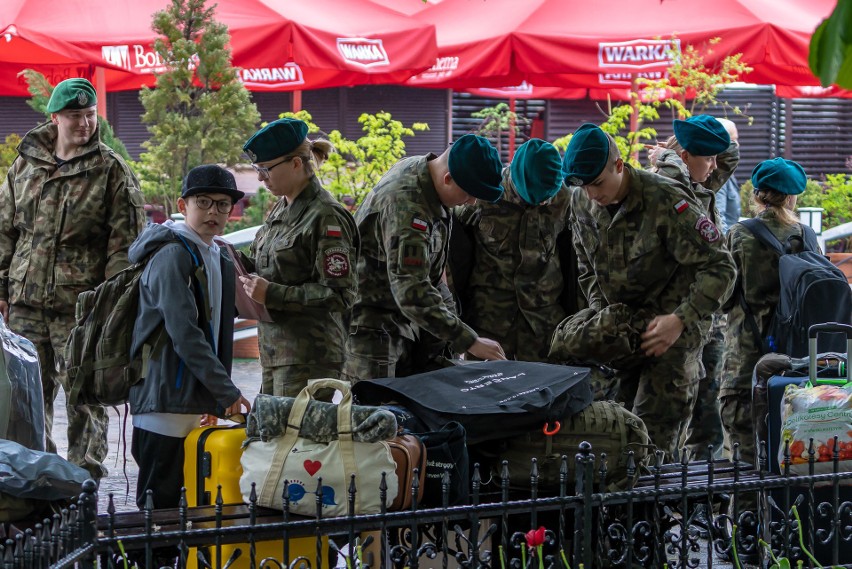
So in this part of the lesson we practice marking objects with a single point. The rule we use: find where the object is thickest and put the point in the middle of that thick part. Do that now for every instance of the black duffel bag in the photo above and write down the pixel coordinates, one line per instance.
(492, 400)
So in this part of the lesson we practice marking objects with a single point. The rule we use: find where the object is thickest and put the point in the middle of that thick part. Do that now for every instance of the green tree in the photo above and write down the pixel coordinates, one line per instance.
(40, 90)
(199, 112)
(255, 214)
(357, 165)
(498, 121)
(8, 153)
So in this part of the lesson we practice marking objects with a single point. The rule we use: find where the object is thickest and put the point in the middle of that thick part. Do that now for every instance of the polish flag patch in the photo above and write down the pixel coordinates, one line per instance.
(681, 206)
(419, 224)
(332, 231)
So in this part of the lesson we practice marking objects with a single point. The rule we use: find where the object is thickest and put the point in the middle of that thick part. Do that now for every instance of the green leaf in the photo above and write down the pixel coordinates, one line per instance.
(830, 57)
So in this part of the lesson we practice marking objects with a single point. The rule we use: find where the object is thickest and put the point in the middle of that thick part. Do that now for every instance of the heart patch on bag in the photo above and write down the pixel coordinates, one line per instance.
(312, 466)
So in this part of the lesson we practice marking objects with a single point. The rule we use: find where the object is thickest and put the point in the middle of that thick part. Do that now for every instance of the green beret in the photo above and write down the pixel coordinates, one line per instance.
(784, 176)
(475, 166)
(276, 139)
(537, 171)
(210, 179)
(702, 135)
(586, 155)
(75, 93)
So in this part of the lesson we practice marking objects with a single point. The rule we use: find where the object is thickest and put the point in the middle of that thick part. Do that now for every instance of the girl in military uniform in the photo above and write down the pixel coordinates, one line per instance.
(304, 259)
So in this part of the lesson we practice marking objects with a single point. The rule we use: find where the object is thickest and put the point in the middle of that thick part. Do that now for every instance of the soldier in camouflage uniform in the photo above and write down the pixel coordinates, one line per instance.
(514, 292)
(777, 183)
(69, 209)
(303, 256)
(703, 156)
(404, 317)
(641, 240)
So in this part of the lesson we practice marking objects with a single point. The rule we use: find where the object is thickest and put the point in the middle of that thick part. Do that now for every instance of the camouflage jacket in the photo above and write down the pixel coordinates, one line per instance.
(516, 271)
(671, 165)
(659, 252)
(405, 231)
(306, 251)
(65, 230)
(757, 278)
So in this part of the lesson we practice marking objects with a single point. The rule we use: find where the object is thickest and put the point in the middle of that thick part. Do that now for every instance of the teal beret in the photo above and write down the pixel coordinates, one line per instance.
(475, 166)
(210, 179)
(702, 135)
(537, 171)
(75, 93)
(784, 176)
(586, 155)
(276, 139)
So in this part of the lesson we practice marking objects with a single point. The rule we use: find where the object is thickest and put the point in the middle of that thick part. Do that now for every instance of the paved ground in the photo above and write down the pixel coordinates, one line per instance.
(121, 481)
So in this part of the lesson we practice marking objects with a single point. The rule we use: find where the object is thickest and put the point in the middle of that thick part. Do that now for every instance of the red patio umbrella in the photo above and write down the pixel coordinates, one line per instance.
(574, 44)
(277, 44)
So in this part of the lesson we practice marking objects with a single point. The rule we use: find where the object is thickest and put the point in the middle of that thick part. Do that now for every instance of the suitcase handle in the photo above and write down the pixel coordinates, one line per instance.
(828, 327)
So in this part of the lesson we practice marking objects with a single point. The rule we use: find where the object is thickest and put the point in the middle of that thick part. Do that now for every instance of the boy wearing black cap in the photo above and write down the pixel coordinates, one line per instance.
(404, 315)
(69, 209)
(643, 241)
(187, 292)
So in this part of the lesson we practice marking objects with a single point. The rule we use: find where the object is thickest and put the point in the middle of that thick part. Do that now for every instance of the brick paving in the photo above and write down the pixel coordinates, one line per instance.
(246, 375)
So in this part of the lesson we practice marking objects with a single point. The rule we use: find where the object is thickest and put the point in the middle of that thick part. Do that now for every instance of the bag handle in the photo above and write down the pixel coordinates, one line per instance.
(291, 435)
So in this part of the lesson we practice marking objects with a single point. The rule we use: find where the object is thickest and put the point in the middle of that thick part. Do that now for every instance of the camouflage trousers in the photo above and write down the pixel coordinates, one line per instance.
(735, 409)
(705, 425)
(288, 381)
(662, 393)
(374, 353)
(87, 424)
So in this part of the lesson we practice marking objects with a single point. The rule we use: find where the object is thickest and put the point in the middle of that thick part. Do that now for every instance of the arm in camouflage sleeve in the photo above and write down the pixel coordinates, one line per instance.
(670, 165)
(408, 266)
(726, 163)
(734, 244)
(8, 233)
(586, 278)
(125, 215)
(692, 242)
(335, 257)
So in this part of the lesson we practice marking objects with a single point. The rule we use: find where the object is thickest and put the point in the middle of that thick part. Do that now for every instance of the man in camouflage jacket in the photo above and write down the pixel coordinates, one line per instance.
(69, 209)
(641, 240)
(514, 293)
(404, 305)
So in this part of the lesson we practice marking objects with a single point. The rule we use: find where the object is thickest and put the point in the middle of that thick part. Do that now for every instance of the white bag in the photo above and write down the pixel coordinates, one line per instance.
(303, 463)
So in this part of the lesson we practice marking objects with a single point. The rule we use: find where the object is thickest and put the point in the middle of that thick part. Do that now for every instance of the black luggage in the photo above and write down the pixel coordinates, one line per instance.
(784, 500)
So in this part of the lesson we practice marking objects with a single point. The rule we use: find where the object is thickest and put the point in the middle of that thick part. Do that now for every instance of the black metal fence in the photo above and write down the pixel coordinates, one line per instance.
(681, 515)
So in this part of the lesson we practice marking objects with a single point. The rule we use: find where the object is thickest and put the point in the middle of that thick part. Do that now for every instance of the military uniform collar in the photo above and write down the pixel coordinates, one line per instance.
(427, 186)
(38, 144)
(635, 195)
(305, 197)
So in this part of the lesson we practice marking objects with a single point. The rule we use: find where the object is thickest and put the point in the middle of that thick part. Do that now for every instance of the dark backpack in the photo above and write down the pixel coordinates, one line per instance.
(97, 356)
(813, 291)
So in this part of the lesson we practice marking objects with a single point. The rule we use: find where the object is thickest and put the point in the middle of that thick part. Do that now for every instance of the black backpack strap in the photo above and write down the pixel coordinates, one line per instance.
(761, 231)
(809, 238)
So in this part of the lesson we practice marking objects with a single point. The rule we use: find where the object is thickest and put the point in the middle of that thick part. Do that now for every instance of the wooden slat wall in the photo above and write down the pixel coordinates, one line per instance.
(124, 112)
(271, 104)
(464, 105)
(17, 117)
(820, 134)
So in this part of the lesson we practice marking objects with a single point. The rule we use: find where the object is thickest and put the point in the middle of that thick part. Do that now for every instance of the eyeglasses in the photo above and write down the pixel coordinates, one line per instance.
(222, 206)
(263, 172)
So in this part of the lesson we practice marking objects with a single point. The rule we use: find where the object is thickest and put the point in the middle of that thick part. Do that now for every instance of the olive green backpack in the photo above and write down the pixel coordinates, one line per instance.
(606, 425)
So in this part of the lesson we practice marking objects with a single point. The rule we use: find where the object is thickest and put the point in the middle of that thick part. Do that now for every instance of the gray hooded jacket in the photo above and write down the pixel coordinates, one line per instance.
(187, 376)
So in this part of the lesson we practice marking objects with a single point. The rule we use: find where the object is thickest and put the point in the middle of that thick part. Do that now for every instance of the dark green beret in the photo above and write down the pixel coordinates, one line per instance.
(475, 166)
(75, 93)
(276, 139)
(586, 155)
(781, 175)
(210, 179)
(702, 135)
(537, 171)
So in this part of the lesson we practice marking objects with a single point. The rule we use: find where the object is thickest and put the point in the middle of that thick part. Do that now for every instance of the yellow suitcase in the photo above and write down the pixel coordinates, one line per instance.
(212, 457)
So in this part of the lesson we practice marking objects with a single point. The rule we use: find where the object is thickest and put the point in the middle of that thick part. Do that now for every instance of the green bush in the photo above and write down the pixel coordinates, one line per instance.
(8, 153)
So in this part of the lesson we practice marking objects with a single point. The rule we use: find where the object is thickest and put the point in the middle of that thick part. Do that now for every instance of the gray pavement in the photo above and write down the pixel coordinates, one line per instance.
(121, 481)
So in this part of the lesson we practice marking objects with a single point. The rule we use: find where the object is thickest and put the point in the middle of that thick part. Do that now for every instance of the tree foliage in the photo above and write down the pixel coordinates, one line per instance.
(255, 214)
(8, 153)
(199, 112)
(40, 90)
(498, 121)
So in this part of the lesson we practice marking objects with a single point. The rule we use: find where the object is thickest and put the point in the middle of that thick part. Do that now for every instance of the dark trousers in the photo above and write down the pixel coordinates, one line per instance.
(160, 460)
